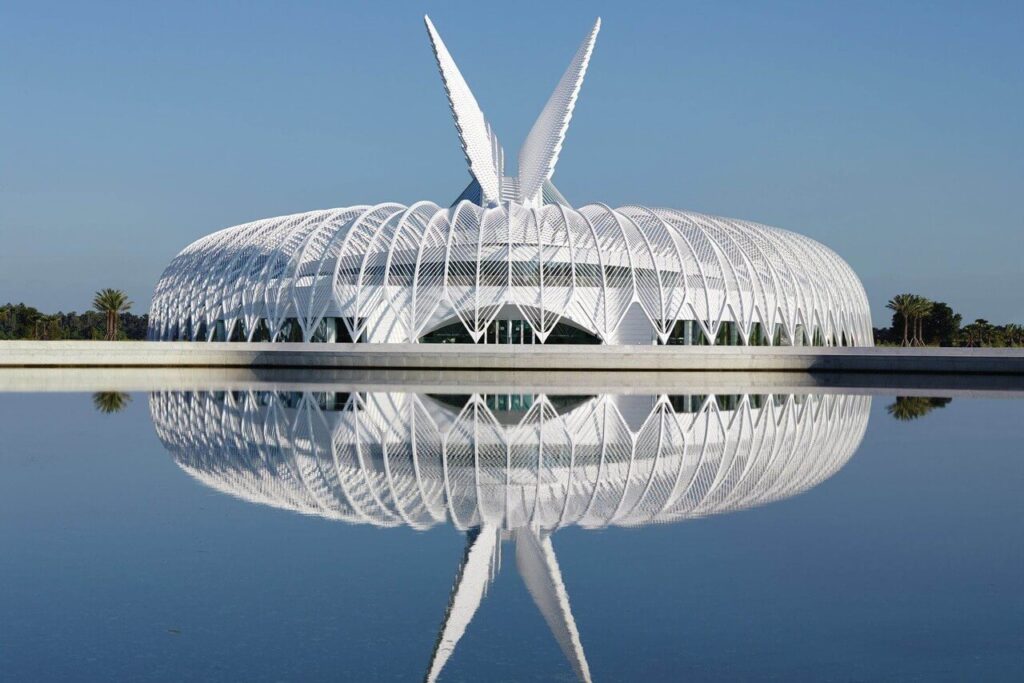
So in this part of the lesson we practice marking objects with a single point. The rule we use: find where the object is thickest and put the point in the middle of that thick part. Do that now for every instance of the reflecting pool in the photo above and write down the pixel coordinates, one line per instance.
(458, 532)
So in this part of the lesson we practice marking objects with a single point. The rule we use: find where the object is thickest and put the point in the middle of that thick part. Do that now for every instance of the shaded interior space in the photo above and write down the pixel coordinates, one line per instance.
(692, 333)
(510, 408)
(509, 331)
(328, 330)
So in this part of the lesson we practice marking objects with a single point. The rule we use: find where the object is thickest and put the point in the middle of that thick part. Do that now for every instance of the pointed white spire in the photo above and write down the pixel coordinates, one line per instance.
(535, 558)
(475, 574)
(539, 153)
(479, 143)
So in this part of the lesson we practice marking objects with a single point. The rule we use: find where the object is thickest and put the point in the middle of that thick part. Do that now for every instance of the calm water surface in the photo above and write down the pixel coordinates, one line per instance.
(288, 535)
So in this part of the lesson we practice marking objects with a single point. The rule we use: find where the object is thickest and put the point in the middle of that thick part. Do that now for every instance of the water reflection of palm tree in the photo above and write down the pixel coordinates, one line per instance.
(912, 407)
(108, 402)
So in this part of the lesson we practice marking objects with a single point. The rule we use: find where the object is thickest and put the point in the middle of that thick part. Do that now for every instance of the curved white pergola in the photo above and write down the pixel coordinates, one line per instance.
(391, 459)
(510, 261)
(391, 273)
(508, 467)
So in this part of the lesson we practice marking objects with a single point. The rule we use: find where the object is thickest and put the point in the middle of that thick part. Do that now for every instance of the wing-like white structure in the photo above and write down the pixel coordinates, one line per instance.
(516, 469)
(484, 270)
(479, 143)
(539, 153)
(475, 574)
(535, 558)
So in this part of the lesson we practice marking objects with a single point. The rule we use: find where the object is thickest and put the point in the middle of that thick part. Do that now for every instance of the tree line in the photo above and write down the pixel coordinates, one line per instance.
(916, 321)
(919, 321)
(109, 319)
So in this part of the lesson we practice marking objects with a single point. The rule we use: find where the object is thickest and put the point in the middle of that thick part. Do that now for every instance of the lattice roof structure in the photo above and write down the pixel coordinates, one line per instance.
(511, 261)
(508, 467)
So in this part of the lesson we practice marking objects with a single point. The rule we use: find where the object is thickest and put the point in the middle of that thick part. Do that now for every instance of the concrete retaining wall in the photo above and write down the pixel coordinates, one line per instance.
(69, 380)
(473, 357)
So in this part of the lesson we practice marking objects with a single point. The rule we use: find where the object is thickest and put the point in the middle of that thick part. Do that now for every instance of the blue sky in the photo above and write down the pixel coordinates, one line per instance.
(892, 132)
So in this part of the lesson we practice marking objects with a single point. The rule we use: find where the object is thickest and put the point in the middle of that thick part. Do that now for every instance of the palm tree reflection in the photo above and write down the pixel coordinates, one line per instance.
(912, 407)
(108, 402)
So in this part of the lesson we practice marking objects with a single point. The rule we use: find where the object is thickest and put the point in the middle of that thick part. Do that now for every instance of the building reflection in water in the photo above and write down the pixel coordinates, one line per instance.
(509, 467)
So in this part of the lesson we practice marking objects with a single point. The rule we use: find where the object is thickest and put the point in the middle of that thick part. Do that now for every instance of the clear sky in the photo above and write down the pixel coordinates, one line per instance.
(892, 132)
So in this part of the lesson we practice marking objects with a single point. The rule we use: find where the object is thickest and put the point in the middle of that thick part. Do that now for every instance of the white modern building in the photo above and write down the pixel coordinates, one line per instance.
(508, 467)
(510, 262)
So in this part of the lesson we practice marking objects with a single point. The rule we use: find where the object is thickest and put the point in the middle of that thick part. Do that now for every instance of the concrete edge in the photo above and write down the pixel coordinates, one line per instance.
(78, 354)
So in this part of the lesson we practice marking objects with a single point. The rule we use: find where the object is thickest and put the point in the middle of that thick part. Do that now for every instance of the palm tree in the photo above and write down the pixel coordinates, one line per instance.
(902, 304)
(1014, 334)
(984, 329)
(970, 335)
(977, 332)
(920, 308)
(108, 402)
(113, 302)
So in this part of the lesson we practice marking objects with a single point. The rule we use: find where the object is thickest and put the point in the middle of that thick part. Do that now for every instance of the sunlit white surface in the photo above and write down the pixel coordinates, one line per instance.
(508, 467)
(510, 249)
